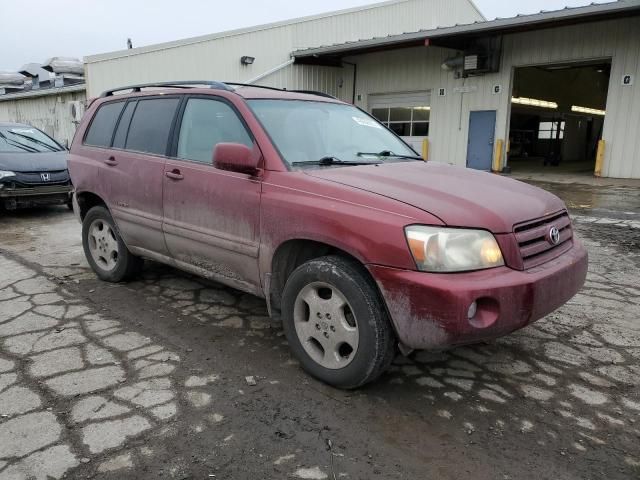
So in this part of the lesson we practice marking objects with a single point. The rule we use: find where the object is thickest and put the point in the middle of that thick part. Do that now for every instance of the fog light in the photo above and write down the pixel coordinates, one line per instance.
(473, 308)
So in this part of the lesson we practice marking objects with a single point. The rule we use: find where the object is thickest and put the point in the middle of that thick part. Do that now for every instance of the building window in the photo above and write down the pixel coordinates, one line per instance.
(405, 121)
(549, 130)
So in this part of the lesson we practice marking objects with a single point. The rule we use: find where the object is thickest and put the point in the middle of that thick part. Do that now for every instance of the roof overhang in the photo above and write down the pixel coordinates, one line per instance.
(459, 37)
(43, 92)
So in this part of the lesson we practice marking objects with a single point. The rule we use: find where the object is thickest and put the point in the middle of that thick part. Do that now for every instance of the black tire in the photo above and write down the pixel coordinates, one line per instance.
(376, 344)
(127, 264)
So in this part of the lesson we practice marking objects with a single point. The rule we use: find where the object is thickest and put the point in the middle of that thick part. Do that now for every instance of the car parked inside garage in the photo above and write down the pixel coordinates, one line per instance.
(354, 241)
(33, 168)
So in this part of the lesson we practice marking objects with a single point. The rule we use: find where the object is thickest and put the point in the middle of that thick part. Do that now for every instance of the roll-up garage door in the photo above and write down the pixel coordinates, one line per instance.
(407, 114)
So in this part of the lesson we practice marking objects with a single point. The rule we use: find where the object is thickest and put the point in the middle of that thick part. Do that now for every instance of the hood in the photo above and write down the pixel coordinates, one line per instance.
(33, 162)
(459, 196)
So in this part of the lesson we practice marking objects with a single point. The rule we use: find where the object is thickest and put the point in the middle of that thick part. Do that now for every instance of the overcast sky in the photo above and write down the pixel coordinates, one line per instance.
(34, 30)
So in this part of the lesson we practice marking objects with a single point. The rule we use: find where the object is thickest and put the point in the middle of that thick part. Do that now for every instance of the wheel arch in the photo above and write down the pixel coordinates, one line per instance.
(88, 200)
(292, 253)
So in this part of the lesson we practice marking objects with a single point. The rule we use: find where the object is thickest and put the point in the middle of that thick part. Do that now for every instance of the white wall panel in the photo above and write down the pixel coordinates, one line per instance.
(218, 56)
(50, 113)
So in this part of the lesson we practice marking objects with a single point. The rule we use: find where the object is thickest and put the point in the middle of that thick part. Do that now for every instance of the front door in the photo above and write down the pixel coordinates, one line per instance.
(482, 126)
(212, 217)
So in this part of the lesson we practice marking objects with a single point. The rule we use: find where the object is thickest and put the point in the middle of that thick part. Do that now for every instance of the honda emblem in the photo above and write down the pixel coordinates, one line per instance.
(45, 177)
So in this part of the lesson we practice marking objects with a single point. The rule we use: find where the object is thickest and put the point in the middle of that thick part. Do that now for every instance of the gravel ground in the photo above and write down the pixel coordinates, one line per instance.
(171, 376)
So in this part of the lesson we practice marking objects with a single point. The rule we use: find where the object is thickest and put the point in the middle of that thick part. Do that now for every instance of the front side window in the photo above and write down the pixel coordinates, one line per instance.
(151, 124)
(101, 128)
(308, 131)
(206, 123)
(16, 139)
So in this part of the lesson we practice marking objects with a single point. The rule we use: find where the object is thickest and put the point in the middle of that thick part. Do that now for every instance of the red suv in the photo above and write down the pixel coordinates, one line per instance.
(355, 242)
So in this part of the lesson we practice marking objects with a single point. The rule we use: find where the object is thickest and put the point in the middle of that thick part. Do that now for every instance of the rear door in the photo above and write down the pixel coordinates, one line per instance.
(211, 216)
(134, 171)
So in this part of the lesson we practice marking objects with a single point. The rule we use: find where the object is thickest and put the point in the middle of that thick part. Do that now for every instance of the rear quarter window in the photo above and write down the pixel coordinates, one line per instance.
(104, 121)
(151, 124)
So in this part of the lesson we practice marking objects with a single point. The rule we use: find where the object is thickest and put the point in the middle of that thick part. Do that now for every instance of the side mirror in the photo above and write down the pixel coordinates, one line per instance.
(236, 157)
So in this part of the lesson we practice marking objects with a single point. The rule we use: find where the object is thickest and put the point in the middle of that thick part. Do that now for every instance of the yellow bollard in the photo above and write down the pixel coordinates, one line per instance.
(599, 159)
(497, 157)
(425, 149)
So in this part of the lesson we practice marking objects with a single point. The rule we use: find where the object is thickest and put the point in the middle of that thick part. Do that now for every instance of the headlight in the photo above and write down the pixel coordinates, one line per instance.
(438, 249)
(6, 173)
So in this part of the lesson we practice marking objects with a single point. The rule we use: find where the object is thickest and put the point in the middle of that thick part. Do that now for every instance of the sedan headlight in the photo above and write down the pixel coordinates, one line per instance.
(6, 173)
(437, 249)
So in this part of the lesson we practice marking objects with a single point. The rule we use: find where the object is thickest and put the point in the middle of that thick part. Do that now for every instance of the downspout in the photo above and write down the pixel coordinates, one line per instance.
(272, 71)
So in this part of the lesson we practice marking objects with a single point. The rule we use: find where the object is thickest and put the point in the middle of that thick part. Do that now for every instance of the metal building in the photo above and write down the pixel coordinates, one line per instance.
(524, 91)
(262, 54)
(549, 92)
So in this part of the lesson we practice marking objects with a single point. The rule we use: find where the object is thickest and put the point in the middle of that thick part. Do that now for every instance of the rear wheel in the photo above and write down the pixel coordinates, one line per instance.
(106, 253)
(336, 323)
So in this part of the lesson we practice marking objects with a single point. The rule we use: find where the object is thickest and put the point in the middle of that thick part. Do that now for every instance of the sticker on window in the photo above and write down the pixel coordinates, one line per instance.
(366, 122)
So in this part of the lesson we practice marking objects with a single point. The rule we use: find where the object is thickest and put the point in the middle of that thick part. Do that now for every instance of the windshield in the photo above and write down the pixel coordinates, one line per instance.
(26, 139)
(320, 133)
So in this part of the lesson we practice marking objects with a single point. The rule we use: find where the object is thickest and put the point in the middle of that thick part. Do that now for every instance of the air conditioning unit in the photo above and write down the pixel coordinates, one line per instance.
(76, 109)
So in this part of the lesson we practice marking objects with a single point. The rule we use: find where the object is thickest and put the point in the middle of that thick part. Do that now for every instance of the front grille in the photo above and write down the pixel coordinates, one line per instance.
(533, 239)
(35, 178)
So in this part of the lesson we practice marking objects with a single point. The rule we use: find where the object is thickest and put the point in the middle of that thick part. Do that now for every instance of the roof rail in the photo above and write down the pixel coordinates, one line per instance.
(314, 92)
(236, 84)
(178, 84)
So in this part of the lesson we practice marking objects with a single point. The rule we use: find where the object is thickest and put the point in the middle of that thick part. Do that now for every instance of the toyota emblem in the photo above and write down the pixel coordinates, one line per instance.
(554, 236)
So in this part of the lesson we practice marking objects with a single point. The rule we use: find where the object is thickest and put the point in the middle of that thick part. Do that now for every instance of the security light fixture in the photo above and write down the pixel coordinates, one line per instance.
(534, 102)
(246, 60)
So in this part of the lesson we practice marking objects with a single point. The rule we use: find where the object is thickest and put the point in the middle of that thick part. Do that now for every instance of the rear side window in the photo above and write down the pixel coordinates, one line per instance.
(205, 123)
(123, 125)
(151, 124)
(101, 128)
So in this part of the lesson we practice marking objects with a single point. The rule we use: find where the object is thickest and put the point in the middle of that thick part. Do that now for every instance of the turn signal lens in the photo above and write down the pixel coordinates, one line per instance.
(436, 249)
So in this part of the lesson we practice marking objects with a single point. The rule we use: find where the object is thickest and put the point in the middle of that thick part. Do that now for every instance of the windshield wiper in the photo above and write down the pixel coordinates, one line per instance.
(334, 161)
(35, 140)
(388, 153)
(26, 148)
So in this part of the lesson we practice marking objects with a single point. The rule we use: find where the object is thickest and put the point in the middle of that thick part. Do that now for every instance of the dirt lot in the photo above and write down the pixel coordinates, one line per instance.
(148, 379)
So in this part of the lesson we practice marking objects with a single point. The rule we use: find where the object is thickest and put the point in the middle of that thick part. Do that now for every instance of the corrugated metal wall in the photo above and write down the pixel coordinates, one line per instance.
(219, 58)
(419, 69)
(50, 113)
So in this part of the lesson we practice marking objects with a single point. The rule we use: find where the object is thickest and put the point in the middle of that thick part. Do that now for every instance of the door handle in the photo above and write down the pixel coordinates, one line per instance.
(111, 161)
(174, 174)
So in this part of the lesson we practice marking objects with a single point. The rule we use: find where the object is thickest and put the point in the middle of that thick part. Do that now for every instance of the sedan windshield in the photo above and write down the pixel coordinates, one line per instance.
(26, 139)
(321, 134)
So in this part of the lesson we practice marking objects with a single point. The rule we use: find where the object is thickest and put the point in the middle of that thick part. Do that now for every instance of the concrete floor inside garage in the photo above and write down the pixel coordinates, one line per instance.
(148, 379)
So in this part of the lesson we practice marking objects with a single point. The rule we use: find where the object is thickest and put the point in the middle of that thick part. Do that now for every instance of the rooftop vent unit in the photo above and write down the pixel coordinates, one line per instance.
(67, 70)
(11, 82)
(39, 77)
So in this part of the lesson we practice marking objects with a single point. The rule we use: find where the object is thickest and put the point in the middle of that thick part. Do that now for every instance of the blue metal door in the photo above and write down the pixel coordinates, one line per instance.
(482, 126)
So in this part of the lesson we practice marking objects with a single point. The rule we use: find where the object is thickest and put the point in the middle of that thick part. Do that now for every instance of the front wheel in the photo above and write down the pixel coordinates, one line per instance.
(336, 323)
(106, 253)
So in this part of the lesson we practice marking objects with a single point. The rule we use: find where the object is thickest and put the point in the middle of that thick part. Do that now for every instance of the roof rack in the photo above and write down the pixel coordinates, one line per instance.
(178, 84)
(236, 84)
(206, 83)
(314, 92)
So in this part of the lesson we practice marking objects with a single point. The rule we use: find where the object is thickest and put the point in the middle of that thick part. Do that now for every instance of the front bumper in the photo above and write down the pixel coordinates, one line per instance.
(431, 311)
(34, 196)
